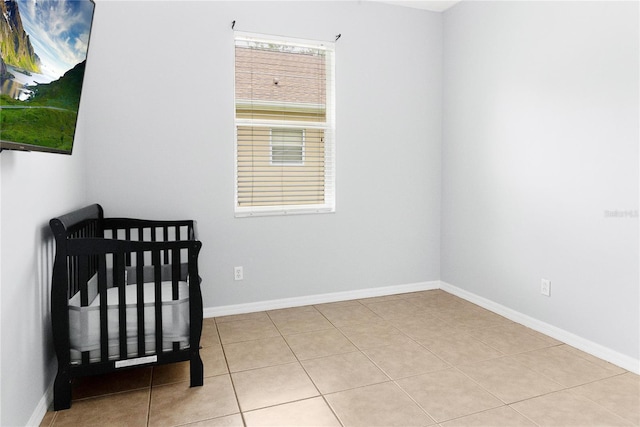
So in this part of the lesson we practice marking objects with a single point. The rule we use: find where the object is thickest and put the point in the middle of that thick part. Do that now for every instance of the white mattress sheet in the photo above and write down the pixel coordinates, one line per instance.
(84, 322)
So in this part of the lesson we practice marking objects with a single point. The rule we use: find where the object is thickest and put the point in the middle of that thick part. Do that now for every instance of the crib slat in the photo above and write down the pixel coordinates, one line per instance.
(83, 275)
(140, 305)
(127, 237)
(175, 276)
(118, 281)
(175, 273)
(157, 278)
(165, 229)
(102, 290)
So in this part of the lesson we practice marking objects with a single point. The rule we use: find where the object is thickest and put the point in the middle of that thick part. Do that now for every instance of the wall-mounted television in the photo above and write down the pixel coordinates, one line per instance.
(43, 52)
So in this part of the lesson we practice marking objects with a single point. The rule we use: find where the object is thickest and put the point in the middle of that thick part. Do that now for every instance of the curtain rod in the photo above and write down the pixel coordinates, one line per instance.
(233, 24)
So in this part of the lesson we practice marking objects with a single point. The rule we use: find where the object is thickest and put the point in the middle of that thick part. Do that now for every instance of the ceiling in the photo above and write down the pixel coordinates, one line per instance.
(432, 5)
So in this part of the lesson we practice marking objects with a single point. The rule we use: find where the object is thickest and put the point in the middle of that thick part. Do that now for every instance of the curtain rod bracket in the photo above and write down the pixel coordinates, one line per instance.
(233, 24)
(337, 37)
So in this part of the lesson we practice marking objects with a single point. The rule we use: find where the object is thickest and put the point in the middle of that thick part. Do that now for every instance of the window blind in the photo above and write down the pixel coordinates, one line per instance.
(284, 119)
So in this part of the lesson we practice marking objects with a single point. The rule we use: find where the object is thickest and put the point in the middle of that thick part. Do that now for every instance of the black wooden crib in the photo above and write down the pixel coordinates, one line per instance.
(125, 293)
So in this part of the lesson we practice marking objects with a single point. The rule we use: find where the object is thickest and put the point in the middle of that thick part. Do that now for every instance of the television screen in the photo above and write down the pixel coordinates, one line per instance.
(43, 52)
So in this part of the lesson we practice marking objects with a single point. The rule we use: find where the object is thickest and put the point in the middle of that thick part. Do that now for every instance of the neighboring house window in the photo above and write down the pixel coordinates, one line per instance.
(285, 148)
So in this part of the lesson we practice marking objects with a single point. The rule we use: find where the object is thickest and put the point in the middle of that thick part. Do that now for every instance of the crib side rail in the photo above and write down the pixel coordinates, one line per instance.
(148, 267)
(98, 246)
(149, 230)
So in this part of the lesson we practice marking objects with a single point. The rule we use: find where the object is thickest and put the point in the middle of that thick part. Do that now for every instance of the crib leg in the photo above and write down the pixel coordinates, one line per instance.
(197, 370)
(62, 391)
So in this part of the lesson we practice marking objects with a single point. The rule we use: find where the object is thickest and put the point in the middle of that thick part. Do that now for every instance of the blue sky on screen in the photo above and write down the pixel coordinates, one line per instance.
(59, 32)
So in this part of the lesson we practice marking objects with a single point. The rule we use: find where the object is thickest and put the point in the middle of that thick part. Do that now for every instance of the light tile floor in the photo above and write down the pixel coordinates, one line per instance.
(416, 359)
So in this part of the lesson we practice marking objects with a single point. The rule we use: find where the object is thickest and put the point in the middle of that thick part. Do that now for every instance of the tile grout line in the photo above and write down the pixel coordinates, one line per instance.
(320, 394)
(375, 364)
(449, 319)
(455, 367)
(149, 404)
(390, 380)
(233, 385)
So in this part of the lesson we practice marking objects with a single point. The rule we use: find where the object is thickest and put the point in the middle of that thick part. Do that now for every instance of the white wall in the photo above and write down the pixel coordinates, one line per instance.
(540, 138)
(35, 187)
(161, 140)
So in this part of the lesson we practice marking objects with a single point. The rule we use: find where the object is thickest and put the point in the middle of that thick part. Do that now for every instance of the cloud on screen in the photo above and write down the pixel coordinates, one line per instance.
(59, 32)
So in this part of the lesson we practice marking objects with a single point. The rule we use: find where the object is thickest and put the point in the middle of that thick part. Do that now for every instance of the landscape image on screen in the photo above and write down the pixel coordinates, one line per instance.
(43, 51)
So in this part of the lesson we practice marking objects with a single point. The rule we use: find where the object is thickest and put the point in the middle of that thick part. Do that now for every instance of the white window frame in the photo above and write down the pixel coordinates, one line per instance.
(329, 205)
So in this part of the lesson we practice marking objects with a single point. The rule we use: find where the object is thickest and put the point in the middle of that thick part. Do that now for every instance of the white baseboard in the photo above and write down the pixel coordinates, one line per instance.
(43, 406)
(251, 307)
(597, 350)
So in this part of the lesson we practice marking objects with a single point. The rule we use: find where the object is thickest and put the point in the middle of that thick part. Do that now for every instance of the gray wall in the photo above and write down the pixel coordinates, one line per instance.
(160, 109)
(540, 140)
(35, 187)
(539, 123)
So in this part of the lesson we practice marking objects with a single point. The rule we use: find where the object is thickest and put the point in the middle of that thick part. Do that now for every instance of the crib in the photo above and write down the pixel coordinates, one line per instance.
(125, 293)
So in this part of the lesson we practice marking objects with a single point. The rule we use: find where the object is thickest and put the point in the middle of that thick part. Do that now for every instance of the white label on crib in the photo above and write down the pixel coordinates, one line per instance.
(136, 361)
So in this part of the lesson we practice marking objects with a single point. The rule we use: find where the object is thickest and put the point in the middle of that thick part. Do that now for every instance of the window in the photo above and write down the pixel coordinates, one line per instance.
(287, 146)
(284, 119)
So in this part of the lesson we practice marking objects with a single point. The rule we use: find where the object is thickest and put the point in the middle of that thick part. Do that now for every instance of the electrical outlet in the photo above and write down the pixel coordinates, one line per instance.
(545, 287)
(238, 273)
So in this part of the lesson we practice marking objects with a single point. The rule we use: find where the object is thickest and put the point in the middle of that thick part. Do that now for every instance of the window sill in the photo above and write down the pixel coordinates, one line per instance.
(281, 211)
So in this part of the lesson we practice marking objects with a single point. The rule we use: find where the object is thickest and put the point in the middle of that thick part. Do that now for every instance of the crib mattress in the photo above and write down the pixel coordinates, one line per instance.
(84, 322)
